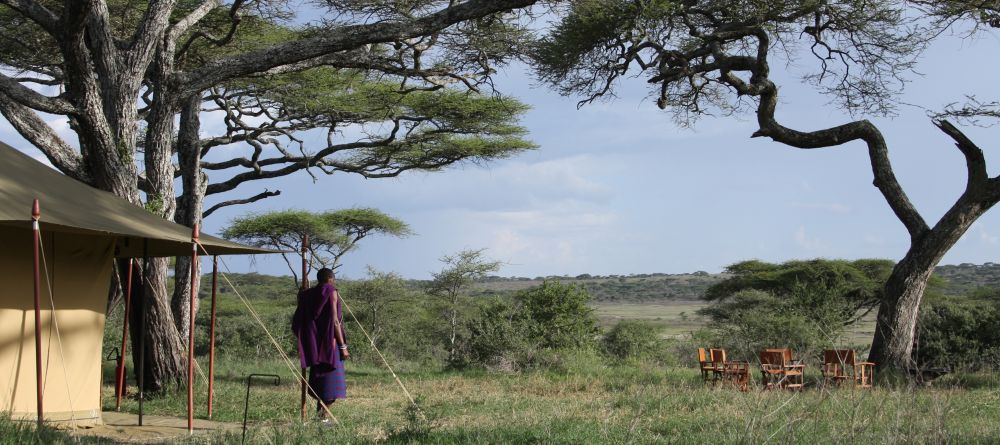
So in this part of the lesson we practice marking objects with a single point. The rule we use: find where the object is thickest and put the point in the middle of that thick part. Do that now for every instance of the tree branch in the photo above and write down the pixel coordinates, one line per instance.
(337, 39)
(182, 26)
(34, 129)
(974, 160)
(33, 99)
(255, 198)
(37, 13)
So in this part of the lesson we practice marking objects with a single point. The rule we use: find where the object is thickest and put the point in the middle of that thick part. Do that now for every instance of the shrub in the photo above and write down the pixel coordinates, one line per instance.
(559, 315)
(958, 333)
(497, 337)
(631, 339)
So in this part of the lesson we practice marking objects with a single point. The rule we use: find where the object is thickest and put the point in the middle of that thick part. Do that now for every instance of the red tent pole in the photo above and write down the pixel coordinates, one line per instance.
(211, 334)
(35, 234)
(120, 374)
(305, 285)
(193, 296)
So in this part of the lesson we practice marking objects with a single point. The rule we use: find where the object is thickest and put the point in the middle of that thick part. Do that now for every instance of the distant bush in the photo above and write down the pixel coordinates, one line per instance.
(959, 333)
(498, 337)
(631, 339)
(559, 315)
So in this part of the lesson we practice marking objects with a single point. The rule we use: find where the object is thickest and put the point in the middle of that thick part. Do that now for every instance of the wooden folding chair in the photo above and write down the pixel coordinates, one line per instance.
(779, 370)
(712, 363)
(840, 365)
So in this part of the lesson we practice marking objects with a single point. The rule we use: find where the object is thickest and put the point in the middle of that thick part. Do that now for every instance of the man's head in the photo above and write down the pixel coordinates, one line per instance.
(325, 275)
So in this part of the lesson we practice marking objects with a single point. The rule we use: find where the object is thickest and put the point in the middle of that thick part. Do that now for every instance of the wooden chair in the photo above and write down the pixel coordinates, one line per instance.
(779, 370)
(840, 365)
(737, 374)
(712, 363)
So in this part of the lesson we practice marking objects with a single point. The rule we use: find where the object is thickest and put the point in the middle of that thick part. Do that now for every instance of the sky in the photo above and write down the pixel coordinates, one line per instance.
(616, 187)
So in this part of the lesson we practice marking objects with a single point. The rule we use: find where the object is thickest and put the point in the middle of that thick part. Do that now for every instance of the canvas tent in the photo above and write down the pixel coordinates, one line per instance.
(82, 230)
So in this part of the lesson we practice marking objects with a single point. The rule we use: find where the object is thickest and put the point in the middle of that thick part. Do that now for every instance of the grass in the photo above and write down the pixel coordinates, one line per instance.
(591, 401)
(675, 319)
(582, 399)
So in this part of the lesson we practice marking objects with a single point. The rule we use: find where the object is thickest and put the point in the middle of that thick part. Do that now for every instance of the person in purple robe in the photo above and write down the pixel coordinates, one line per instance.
(318, 326)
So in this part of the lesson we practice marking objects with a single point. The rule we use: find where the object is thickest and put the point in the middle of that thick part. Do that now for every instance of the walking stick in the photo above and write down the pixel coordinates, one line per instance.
(305, 285)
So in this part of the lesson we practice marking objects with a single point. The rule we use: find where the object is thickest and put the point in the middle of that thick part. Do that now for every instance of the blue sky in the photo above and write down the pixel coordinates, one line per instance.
(617, 188)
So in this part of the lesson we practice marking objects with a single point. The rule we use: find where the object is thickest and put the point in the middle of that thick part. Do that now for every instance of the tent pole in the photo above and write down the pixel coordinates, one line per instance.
(35, 234)
(142, 328)
(191, 297)
(305, 285)
(120, 374)
(211, 333)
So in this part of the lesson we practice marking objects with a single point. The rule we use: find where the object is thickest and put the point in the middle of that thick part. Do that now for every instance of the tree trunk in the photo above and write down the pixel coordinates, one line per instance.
(164, 363)
(165, 351)
(189, 208)
(453, 321)
(892, 345)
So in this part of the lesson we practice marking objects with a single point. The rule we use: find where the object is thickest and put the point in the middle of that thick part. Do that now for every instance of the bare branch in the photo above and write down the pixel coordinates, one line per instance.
(255, 198)
(974, 159)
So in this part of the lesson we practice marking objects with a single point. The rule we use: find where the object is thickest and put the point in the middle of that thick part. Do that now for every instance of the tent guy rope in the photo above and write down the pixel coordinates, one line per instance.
(55, 324)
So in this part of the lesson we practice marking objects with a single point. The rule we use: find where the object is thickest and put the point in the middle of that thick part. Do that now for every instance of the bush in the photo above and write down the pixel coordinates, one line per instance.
(497, 337)
(631, 339)
(559, 316)
(958, 334)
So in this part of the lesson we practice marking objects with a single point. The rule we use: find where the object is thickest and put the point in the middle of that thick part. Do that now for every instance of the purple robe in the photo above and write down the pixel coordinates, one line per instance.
(313, 326)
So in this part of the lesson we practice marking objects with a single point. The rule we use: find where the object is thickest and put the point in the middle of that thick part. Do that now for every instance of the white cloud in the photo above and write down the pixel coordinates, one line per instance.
(806, 242)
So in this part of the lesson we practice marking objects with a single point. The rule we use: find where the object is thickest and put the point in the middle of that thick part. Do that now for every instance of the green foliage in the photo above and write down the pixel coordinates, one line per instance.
(805, 305)
(460, 271)
(960, 333)
(631, 339)
(826, 291)
(559, 315)
(331, 234)
(498, 337)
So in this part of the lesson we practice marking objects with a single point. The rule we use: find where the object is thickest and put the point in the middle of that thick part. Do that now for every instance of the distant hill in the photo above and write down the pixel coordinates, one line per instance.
(963, 278)
(637, 288)
(646, 288)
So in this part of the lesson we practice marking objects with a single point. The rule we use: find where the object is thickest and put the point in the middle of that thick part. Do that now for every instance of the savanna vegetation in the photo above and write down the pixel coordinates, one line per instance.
(534, 366)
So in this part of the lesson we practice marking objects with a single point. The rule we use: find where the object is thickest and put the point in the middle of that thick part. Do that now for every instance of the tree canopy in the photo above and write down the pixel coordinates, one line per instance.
(332, 234)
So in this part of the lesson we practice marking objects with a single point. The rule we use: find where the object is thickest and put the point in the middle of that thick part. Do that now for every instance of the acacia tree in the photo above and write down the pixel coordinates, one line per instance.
(703, 56)
(372, 127)
(120, 71)
(331, 234)
(460, 271)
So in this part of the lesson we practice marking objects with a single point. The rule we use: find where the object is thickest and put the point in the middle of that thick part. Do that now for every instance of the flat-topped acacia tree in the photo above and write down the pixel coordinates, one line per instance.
(701, 56)
(332, 234)
(122, 71)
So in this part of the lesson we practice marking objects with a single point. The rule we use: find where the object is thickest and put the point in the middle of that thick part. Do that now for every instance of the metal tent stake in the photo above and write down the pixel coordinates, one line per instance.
(246, 404)
(35, 234)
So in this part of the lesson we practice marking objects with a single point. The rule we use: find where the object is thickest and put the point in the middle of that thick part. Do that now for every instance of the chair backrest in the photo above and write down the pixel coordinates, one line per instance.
(786, 353)
(717, 355)
(702, 355)
(772, 357)
(839, 357)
